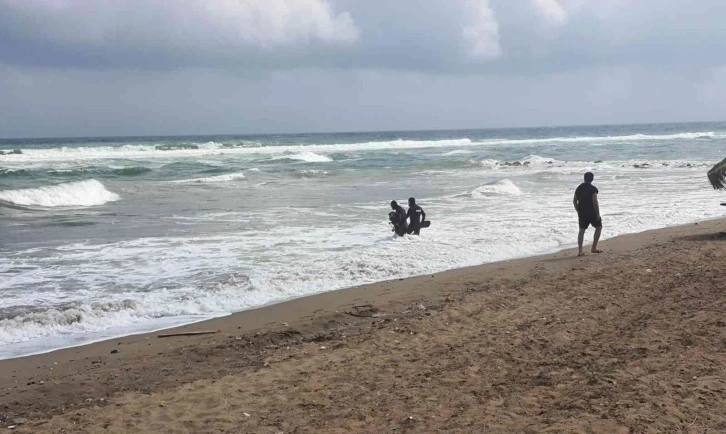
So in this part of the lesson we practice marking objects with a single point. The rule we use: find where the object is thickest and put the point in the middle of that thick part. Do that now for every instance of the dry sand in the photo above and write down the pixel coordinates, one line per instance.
(633, 340)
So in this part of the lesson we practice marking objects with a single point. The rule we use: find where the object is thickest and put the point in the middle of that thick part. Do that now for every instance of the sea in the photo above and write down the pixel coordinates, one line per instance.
(106, 237)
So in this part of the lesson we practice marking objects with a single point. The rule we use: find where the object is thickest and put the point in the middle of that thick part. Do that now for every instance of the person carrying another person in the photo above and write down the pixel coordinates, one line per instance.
(398, 219)
(416, 216)
(588, 212)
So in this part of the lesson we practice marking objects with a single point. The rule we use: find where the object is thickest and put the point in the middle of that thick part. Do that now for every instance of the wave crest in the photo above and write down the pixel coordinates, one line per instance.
(211, 179)
(310, 173)
(498, 188)
(295, 152)
(131, 151)
(306, 156)
(456, 152)
(81, 193)
(75, 319)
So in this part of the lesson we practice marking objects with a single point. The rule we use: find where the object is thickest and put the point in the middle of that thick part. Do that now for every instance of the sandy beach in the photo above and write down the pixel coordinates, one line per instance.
(632, 340)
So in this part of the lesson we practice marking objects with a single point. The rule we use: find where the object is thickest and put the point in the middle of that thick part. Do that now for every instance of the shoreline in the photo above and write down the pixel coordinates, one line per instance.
(82, 382)
(211, 319)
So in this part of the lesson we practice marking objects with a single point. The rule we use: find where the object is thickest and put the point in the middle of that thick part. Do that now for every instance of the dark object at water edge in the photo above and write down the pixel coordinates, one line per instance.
(717, 175)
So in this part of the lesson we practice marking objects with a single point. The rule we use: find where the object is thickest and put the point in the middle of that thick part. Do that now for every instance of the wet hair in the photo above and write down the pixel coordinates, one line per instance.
(411, 201)
(589, 177)
(394, 204)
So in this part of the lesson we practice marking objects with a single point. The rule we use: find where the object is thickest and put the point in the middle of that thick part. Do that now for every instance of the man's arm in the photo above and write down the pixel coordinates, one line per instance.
(596, 205)
(574, 202)
(423, 215)
(402, 215)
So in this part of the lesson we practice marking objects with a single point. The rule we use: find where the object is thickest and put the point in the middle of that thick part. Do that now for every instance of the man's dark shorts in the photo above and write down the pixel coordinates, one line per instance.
(589, 219)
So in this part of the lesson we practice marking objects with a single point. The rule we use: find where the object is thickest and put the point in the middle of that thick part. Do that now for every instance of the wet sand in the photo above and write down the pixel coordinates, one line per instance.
(632, 340)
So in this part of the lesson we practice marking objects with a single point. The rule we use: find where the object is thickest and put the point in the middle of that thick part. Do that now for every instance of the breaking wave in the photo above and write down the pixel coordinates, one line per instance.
(112, 171)
(486, 163)
(15, 173)
(103, 171)
(456, 152)
(310, 173)
(211, 179)
(539, 163)
(306, 152)
(529, 161)
(81, 193)
(308, 157)
(65, 320)
(497, 188)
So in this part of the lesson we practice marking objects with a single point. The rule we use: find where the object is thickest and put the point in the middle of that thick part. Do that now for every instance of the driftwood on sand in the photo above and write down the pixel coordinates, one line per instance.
(169, 335)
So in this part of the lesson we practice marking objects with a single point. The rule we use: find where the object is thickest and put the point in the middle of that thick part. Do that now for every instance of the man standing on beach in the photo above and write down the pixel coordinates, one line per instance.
(416, 215)
(588, 212)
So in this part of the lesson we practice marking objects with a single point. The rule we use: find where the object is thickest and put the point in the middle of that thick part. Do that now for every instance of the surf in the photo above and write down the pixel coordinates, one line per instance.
(212, 179)
(307, 157)
(80, 193)
(503, 187)
(315, 152)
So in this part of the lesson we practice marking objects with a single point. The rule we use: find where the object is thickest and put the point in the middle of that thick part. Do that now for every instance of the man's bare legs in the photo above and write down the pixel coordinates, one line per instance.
(581, 239)
(598, 231)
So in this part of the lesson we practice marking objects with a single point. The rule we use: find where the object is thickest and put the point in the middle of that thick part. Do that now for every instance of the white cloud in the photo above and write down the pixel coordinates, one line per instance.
(552, 11)
(279, 22)
(443, 36)
(482, 35)
(185, 24)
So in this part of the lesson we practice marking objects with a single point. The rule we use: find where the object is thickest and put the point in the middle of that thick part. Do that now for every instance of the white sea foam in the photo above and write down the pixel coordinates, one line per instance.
(311, 173)
(622, 139)
(308, 157)
(536, 160)
(529, 161)
(81, 193)
(64, 320)
(456, 152)
(501, 187)
(536, 163)
(212, 179)
(487, 163)
(97, 316)
(211, 148)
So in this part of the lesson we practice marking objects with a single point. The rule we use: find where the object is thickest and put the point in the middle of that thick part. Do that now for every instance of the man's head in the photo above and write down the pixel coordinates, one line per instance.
(411, 201)
(589, 177)
(394, 204)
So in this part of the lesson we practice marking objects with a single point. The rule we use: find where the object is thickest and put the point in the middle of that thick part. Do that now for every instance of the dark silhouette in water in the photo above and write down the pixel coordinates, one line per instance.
(398, 219)
(588, 212)
(416, 216)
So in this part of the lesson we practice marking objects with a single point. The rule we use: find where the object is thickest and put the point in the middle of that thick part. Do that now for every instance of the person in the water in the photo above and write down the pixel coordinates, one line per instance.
(588, 212)
(416, 216)
(398, 219)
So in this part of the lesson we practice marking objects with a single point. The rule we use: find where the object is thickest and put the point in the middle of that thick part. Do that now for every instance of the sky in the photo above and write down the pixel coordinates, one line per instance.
(188, 67)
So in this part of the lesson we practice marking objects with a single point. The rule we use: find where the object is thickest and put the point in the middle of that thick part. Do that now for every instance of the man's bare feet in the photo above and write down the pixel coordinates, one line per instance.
(596, 251)
(580, 254)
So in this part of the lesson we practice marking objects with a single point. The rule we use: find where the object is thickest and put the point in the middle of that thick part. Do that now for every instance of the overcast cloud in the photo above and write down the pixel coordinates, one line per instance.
(136, 67)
